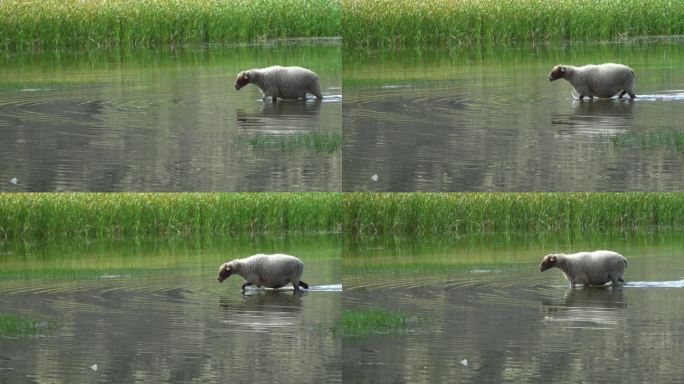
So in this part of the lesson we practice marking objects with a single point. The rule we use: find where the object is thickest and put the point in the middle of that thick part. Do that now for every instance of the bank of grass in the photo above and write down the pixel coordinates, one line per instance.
(380, 23)
(48, 24)
(461, 213)
(324, 143)
(48, 215)
(374, 321)
(17, 326)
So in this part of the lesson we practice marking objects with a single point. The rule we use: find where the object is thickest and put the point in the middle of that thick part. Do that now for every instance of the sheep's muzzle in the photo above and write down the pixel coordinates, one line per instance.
(223, 274)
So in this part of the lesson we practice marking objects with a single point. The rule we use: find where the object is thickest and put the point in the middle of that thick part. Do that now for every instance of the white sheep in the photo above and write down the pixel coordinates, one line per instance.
(588, 268)
(273, 271)
(604, 80)
(281, 82)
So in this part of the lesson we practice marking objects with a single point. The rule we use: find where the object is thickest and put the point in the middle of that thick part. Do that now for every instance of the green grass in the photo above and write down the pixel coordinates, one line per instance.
(49, 24)
(49, 215)
(669, 139)
(365, 322)
(464, 213)
(382, 23)
(314, 141)
(17, 326)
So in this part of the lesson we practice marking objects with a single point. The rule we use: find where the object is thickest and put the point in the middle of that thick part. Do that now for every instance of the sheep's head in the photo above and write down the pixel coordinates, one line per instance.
(558, 72)
(549, 261)
(225, 271)
(242, 80)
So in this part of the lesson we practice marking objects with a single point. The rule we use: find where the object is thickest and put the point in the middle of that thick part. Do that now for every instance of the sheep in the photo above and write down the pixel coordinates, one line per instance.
(604, 80)
(273, 271)
(281, 82)
(587, 268)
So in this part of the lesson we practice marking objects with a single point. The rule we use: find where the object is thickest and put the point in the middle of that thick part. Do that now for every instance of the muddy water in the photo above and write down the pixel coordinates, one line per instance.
(480, 311)
(487, 119)
(166, 120)
(153, 311)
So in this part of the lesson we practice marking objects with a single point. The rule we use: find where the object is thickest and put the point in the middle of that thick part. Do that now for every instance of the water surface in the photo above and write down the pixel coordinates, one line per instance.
(151, 311)
(164, 120)
(487, 119)
(482, 312)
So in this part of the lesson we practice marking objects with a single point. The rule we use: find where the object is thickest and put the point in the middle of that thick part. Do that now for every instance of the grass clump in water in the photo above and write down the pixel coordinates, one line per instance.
(413, 23)
(17, 326)
(31, 24)
(660, 139)
(374, 321)
(318, 142)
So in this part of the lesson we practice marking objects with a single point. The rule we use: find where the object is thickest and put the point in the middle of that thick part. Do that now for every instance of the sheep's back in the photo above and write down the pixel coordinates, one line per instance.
(596, 266)
(274, 270)
(604, 80)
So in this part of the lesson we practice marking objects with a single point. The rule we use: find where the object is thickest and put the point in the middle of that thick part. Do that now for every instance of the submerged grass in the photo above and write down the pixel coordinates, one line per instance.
(314, 141)
(48, 215)
(381, 23)
(17, 326)
(373, 321)
(32, 24)
(444, 213)
(669, 139)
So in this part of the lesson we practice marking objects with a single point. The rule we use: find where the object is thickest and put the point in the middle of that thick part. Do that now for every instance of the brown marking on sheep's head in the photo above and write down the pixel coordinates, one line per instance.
(549, 261)
(224, 272)
(242, 80)
(558, 72)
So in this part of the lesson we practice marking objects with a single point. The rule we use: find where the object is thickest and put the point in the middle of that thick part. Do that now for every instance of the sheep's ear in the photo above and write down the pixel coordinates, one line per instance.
(552, 258)
(245, 76)
(562, 68)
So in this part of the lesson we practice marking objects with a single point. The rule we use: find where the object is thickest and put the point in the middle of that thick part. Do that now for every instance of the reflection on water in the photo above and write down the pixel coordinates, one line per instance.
(167, 120)
(591, 308)
(491, 316)
(487, 119)
(166, 318)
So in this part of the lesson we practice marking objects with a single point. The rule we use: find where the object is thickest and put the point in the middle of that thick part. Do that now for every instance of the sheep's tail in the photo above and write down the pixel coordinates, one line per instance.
(303, 284)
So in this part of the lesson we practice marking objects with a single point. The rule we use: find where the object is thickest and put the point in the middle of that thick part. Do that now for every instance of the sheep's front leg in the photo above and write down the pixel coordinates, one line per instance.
(246, 284)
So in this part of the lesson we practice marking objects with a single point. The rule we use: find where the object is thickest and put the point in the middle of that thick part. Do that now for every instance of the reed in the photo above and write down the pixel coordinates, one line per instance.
(50, 215)
(459, 213)
(381, 23)
(47, 24)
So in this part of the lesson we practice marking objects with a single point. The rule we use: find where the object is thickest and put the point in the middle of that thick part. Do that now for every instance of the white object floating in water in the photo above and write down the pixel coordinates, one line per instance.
(94, 367)
(374, 177)
(14, 180)
(464, 362)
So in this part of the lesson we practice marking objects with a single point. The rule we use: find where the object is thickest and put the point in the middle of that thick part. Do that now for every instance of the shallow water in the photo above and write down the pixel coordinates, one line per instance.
(165, 120)
(487, 119)
(153, 311)
(486, 314)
